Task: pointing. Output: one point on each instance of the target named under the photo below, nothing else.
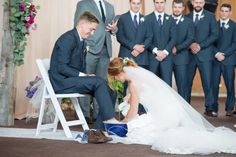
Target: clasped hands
(160, 55)
(220, 56)
(195, 48)
(138, 48)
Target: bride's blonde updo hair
(117, 64)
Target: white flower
(142, 19)
(87, 48)
(226, 26)
(202, 16)
(125, 60)
(182, 19)
(167, 17)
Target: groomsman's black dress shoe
(210, 113)
(234, 112)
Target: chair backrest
(43, 65)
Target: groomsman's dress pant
(228, 73)
(181, 78)
(205, 69)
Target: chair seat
(72, 95)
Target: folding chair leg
(62, 120)
(79, 113)
(56, 119)
(41, 113)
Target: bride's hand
(126, 98)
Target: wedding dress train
(171, 125)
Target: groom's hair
(89, 17)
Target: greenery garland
(22, 20)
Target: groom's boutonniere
(226, 26)
(142, 19)
(182, 19)
(167, 17)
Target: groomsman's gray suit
(164, 37)
(100, 44)
(67, 61)
(206, 33)
(184, 38)
(226, 44)
(129, 35)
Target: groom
(67, 68)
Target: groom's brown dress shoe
(97, 136)
(103, 136)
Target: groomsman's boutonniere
(182, 19)
(226, 26)
(87, 48)
(167, 17)
(202, 16)
(142, 19)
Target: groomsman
(133, 35)
(202, 48)
(163, 30)
(225, 58)
(184, 37)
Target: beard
(177, 15)
(198, 9)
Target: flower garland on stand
(22, 20)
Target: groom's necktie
(102, 11)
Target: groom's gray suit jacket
(96, 41)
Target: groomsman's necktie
(159, 20)
(222, 26)
(176, 21)
(135, 21)
(196, 19)
(102, 11)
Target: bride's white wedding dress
(171, 125)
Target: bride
(170, 125)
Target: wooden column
(7, 95)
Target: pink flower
(22, 7)
(31, 20)
(32, 7)
(27, 25)
(27, 18)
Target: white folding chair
(43, 65)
